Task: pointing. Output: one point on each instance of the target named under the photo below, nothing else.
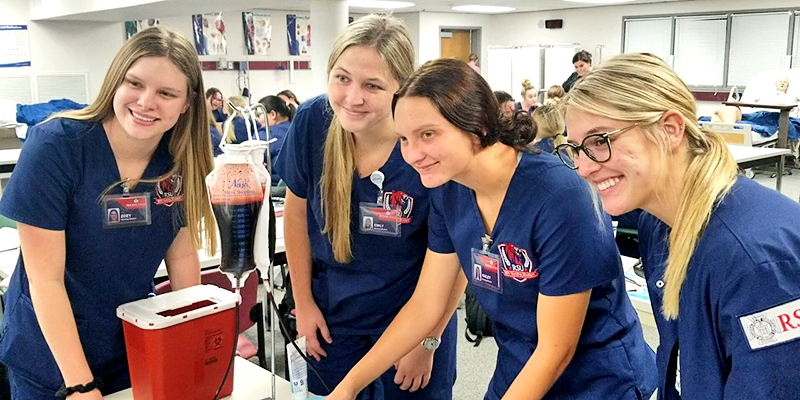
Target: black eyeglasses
(597, 147)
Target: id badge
(373, 219)
(121, 211)
(486, 270)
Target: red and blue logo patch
(516, 263)
(399, 200)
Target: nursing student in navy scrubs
(130, 151)
(356, 220)
(721, 253)
(279, 119)
(523, 228)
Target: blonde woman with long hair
(102, 195)
(356, 219)
(720, 251)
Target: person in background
(506, 103)
(549, 120)
(343, 166)
(147, 129)
(530, 97)
(473, 63)
(582, 61)
(279, 119)
(289, 98)
(216, 137)
(215, 104)
(554, 95)
(549, 275)
(721, 253)
(235, 127)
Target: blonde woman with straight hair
(102, 195)
(549, 120)
(356, 219)
(720, 252)
(235, 127)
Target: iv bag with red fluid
(236, 196)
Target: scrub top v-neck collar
(152, 165)
(476, 212)
(390, 165)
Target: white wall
(56, 46)
(429, 45)
(262, 82)
(603, 26)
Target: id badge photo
(120, 211)
(374, 219)
(485, 270)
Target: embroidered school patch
(770, 327)
(401, 200)
(516, 263)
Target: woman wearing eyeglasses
(523, 231)
(720, 252)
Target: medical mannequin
(781, 95)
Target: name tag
(126, 211)
(374, 219)
(773, 326)
(486, 270)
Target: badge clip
(377, 178)
(487, 241)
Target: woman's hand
(309, 321)
(414, 369)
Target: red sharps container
(180, 343)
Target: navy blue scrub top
(547, 227)
(277, 131)
(240, 130)
(216, 139)
(219, 115)
(739, 313)
(363, 296)
(518, 107)
(546, 145)
(64, 167)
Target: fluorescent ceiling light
(384, 5)
(483, 9)
(600, 1)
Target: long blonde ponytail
(640, 88)
(337, 186)
(708, 178)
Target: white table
(8, 159)
(638, 294)
(748, 157)
(250, 382)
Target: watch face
(431, 343)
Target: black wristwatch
(65, 391)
